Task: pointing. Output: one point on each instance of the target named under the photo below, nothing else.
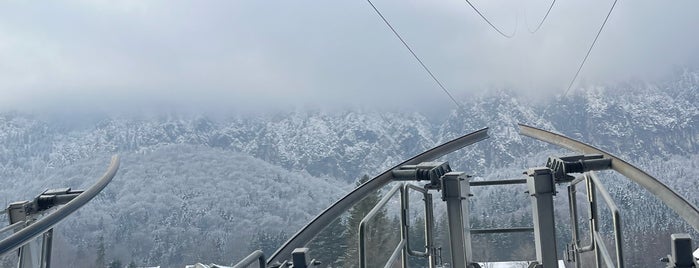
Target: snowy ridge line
(42, 225)
(316, 225)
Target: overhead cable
(491, 24)
(543, 114)
(542, 20)
(590, 49)
(414, 55)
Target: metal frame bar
(541, 187)
(315, 226)
(594, 216)
(616, 219)
(502, 230)
(601, 250)
(397, 252)
(429, 233)
(573, 206)
(256, 255)
(592, 186)
(498, 182)
(455, 191)
(46, 248)
(11, 226)
(406, 215)
(362, 225)
(42, 225)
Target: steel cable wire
(439, 83)
(542, 20)
(490, 23)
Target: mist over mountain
(193, 188)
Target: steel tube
(616, 217)
(575, 232)
(594, 225)
(256, 255)
(429, 233)
(11, 226)
(502, 230)
(27, 234)
(577, 180)
(46, 248)
(603, 252)
(498, 182)
(406, 217)
(369, 216)
(395, 254)
(603, 191)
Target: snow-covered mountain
(190, 185)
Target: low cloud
(221, 55)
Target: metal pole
(616, 217)
(429, 231)
(46, 249)
(368, 217)
(541, 189)
(594, 227)
(403, 229)
(250, 259)
(455, 189)
(573, 207)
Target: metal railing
(500, 230)
(256, 255)
(28, 225)
(593, 185)
(403, 249)
(11, 226)
(429, 220)
(369, 216)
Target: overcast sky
(257, 54)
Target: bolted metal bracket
(299, 259)
(681, 255)
(425, 171)
(562, 166)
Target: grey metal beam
(541, 189)
(676, 202)
(455, 190)
(315, 226)
(42, 225)
(498, 182)
(502, 230)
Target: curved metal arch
(315, 226)
(676, 202)
(42, 225)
